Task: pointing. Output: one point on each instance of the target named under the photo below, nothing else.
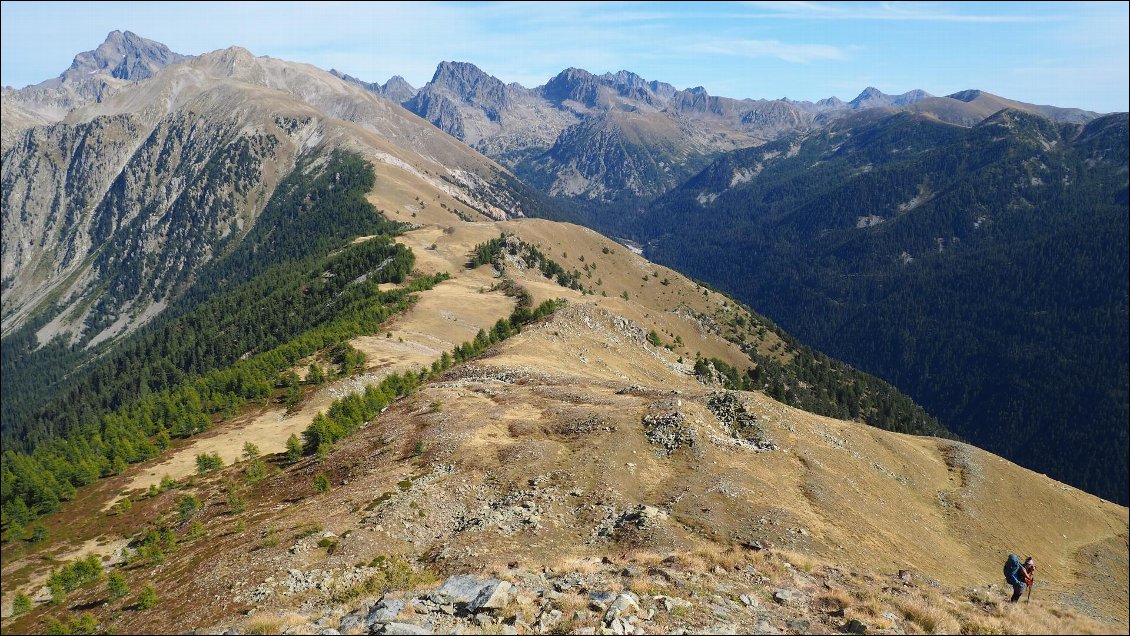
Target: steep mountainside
(198, 148)
(93, 77)
(110, 215)
(982, 270)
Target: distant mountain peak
(872, 97)
(966, 95)
(574, 84)
(457, 71)
(398, 89)
(125, 55)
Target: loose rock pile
(668, 431)
(738, 422)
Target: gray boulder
(385, 611)
(473, 593)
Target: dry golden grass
(645, 586)
(264, 626)
(835, 600)
(797, 560)
(570, 602)
(927, 615)
(644, 557)
(867, 603)
(1032, 618)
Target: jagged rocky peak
(627, 79)
(575, 84)
(466, 79)
(628, 84)
(125, 55)
(869, 98)
(398, 89)
(662, 89)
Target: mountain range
(617, 137)
(284, 350)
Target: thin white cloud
(892, 11)
(794, 53)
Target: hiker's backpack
(1011, 566)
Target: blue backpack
(1011, 566)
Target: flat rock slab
(403, 629)
(474, 593)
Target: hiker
(1019, 575)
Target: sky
(1062, 54)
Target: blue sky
(1046, 53)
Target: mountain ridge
(371, 373)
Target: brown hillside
(578, 440)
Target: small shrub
(322, 483)
(148, 598)
(21, 604)
(395, 574)
(236, 503)
(74, 575)
(255, 471)
(85, 624)
(293, 448)
(270, 539)
(206, 462)
(116, 586)
(195, 531)
(187, 506)
(250, 451)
